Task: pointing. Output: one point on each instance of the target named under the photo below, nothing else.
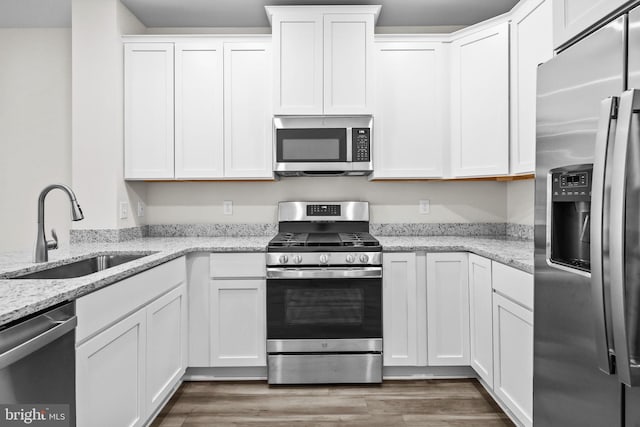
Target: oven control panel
(324, 210)
(361, 142)
(321, 259)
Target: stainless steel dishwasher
(37, 362)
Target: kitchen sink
(83, 267)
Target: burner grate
(357, 239)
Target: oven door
(324, 304)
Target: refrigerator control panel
(574, 186)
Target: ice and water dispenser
(569, 240)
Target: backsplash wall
(520, 202)
(390, 202)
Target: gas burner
(287, 239)
(358, 239)
(305, 240)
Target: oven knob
(324, 258)
(297, 259)
(364, 258)
(283, 259)
(351, 258)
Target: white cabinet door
(110, 375)
(513, 357)
(348, 63)
(238, 322)
(247, 110)
(481, 317)
(148, 111)
(298, 84)
(401, 306)
(571, 17)
(411, 92)
(448, 309)
(480, 103)
(166, 345)
(531, 45)
(199, 105)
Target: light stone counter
(20, 298)
(514, 253)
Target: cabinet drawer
(514, 284)
(238, 265)
(98, 310)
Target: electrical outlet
(140, 208)
(424, 207)
(227, 207)
(124, 210)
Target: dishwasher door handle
(34, 343)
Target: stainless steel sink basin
(83, 267)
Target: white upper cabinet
(148, 107)
(247, 110)
(348, 64)
(480, 103)
(222, 109)
(199, 110)
(323, 59)
(410, 116)
(531, 45)
(298, 62)
(571, 17)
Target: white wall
(35, 132)
(97, 62)
(520, 201)
(255, 202)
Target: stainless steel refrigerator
(587, 231)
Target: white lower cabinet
(238, 323)
(238, 319)
(110, 375)
(166, 344)
(447, 309)
(404, 308)
(127, 366)
(513, 357)
(481, 317)
(513, 340)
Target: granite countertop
(514, 253)
(20, 298)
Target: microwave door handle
(608, 108)
(626, 365)
(349, 144)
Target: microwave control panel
(361, 143)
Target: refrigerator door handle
(626, 365)
(604, 345)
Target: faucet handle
(53, 244)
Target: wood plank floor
(437, 403)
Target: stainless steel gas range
(324, 295)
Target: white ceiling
(250, 13)
(35, 13)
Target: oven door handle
(324, 273)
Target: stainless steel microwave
(323, 145)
